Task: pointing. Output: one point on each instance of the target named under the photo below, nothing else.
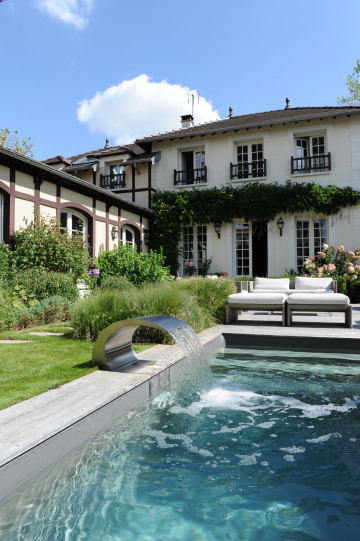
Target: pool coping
(36, 433)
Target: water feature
(270, 451)
(113, 348)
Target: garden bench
(248, 301)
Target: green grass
(41, 363)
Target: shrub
(47, 311)
(138, 268)
(115, 282)
(6, 272)
(9, 313)
(95, 313)
(42, 284)
(210, 294)
(43, 244)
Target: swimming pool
(270, 452)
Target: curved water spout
(113, 348)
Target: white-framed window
(242, 249)
(310, 237)
(195, 246)
(1, 218)
(250, 162)
(74, 223)
(128, 236)
(310, 155)
(192, 168)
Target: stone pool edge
(34, 434)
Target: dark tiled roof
(292, 114)
(132, 149)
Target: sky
(74, 72)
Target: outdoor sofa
(304, 294)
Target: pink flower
(321, 255)
(357, 269)
(341, 248)
(331, 267)
(319, 274)
(352, 278)
(311, 266)
(321, 269)
(350, 254)
(350, 269)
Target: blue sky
(76, 71)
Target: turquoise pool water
(270, 452)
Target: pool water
(269, 452)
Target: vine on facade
(252, 202)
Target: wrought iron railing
(243, 170)
(112, 182)
(312, 164)
(190, 176)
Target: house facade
(103, 217)
(320, 145)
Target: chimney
(187, 121)
(287, 103)
(106, 143)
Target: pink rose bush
(331, 262)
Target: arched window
(128, 236)
(74, 223)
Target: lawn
(41, 363)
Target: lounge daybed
(248, 301)
(303, 302)
(304, 294)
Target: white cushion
(246, 299)
(307, 282)
(311, 291)
(319, 299)
(271, 284)
(277, 290)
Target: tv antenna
(191, 96)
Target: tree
(353, 84)
(13, 142)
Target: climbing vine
(252, 202)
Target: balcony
(248, 170)
(112, 182)
(312, 164)
(190, 176)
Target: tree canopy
(353, 84)
(12, 141)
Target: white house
(302, 144)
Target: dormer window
(115, 180)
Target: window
(128, 237)
(242, 249)
(193, 168)
(195, 245)
(310, 237)
(310, 155)
(116, 179)
(250, 162)
(74, 223)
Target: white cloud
(140, 107)
(75, 12)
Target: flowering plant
(93, 277)
(331, 262)
(189, 268)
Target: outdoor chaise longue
(305, 294)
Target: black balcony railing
(243, 170)
(312, 164)
(190, 176)
(112, 182)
